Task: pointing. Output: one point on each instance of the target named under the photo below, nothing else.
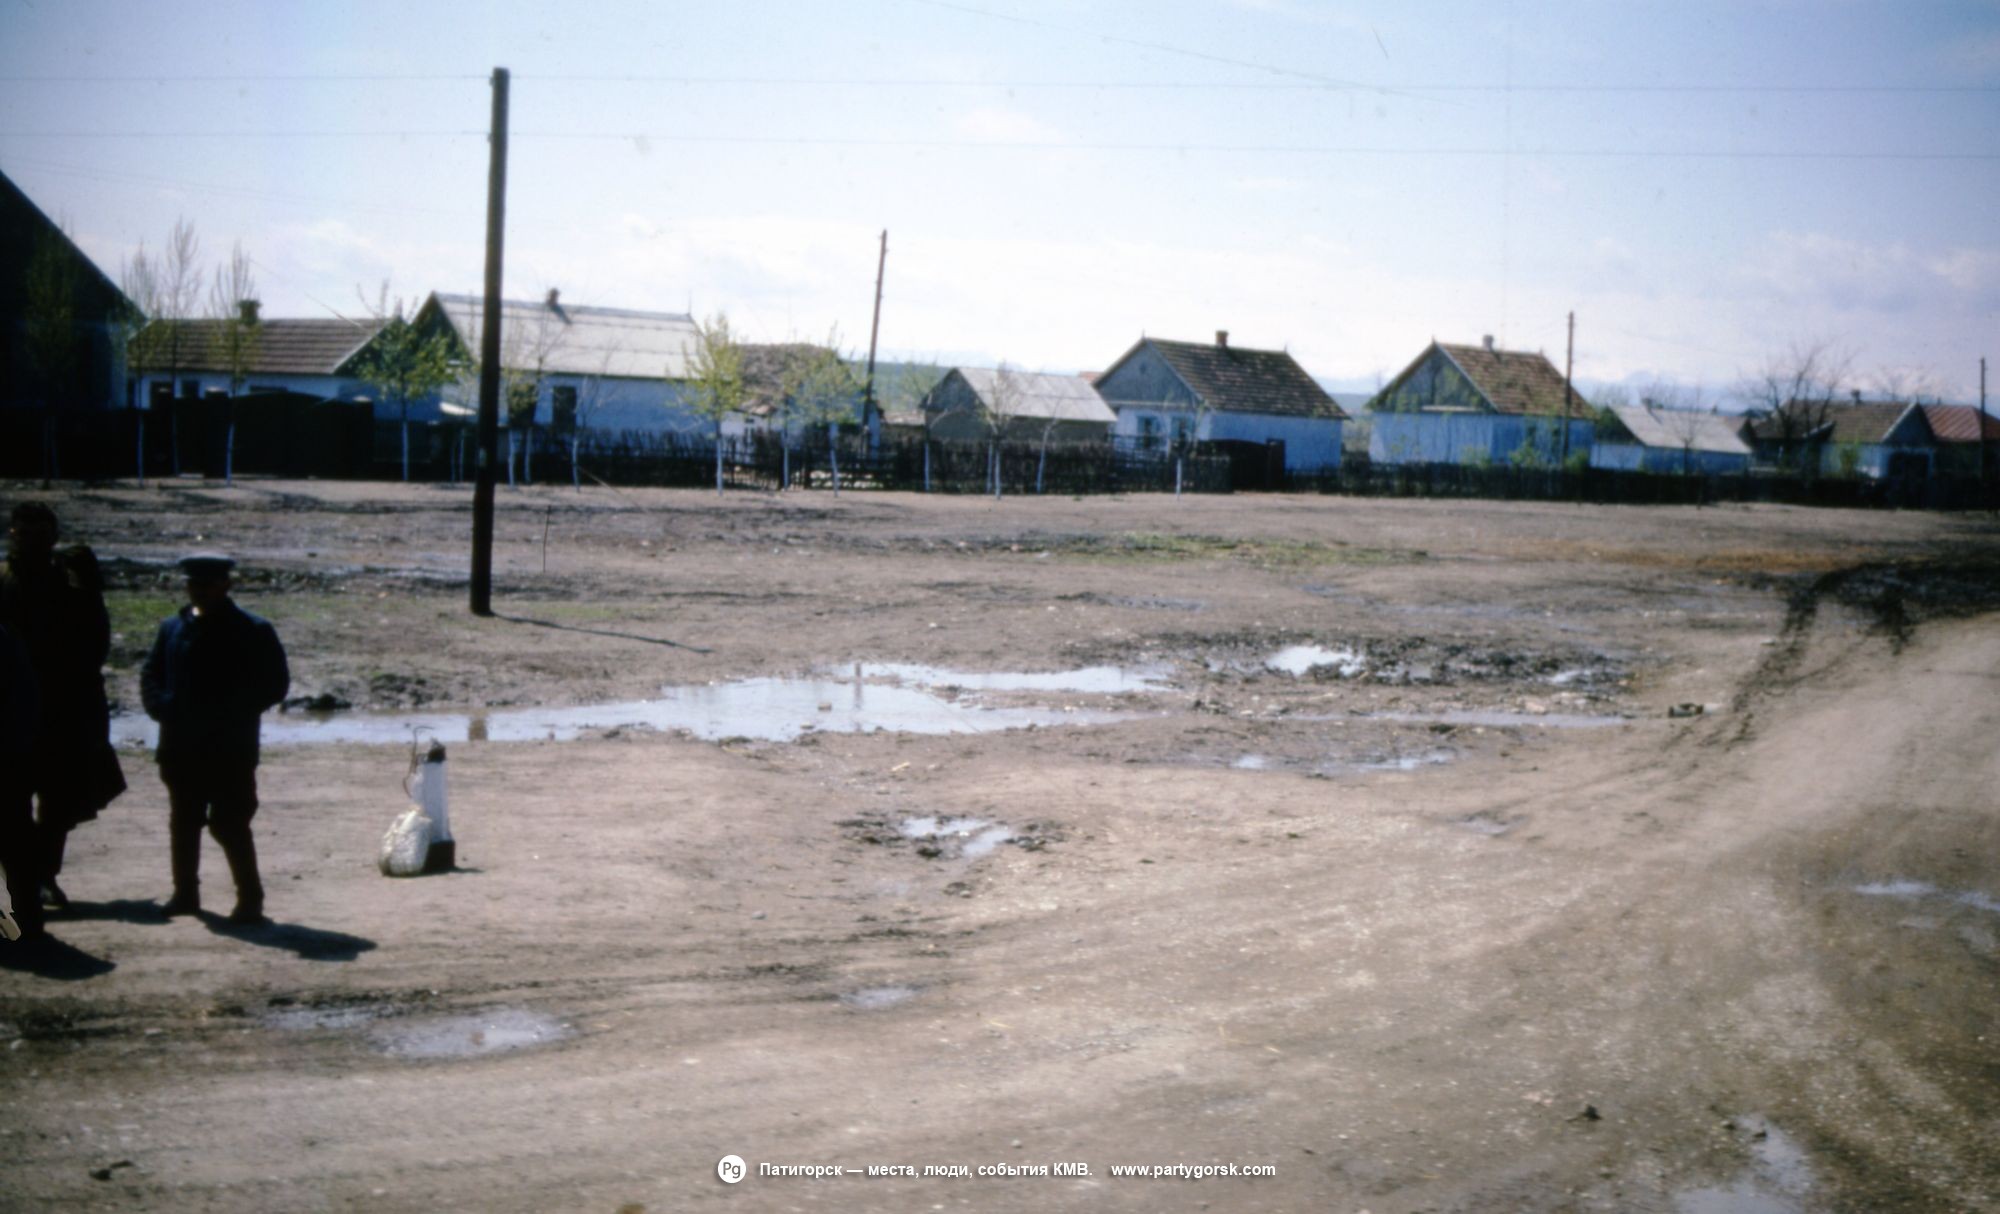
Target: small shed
(971, 403)
(1869, 438)
(1691, 442)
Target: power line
(1558, 153)
(1308, 85)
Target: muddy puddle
(1913, 891)
(469, 1036)
(1494, 719)
(391, 1029)
(969, 838)
(1779, 1180)
(869, 698)
(877, 998)
(1330, 768)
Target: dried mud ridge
(1891, 598)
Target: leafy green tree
(405, 363)
(172, 287)
(821, 391)
(715, 387)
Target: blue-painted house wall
(1637, 457)
(1471, 438)
(1144, 388)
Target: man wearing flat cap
(213, 671)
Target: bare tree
(232, 302)
(715, 379)
(1793, 396)
(1682, 412)
(1907, 385)
(589, 394)
(173, 281)
(139, 279)
(998, 407)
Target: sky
(1707, 186)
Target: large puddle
(865, 698)
(970, 838)
(469, 1036)
(1779, 1181)
(1914, 890)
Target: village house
(605, 369)
(771, 373)
(1478, 405)
(1649, 438)
(1870, 438)
(59, 315)
(1965, 435)
(314, 357)
(1167, 393)
(973, 403)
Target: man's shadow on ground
(310, 943)
(49, 957)
(123, 910)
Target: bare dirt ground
(1399, 927)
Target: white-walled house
(1167, 391)
(611, 369)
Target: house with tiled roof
(1168, 392)
(1457, 404)
(1964, 434)
(1872, 438)
(969, 403)
(313, 357)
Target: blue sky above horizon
(1705, 184)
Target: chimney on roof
(246, 310)
(554, 296)
(1488, 339)
(1222, 338)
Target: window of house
(1149, 431)
(563, 407)
(191, 388)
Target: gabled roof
(1514, 381)
(1867, 421)
(1683, 429)
(22, 227)
(1038, 395)
(311, 346)
(1961, 423)
(567, 339)
(1232, 379)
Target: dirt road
(1377, 862)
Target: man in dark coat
(20, 856)
(54, 605)
(213, 671)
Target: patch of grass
(138, 616)
(1149, 547)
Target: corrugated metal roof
(1683, 429)
(313, 346)
(1515, 381)
(569, 339)
(1961, 423)
(1036, 394)
(1232, 379)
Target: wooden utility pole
(1981, 445)
(874, 328)
(489, 356)
(1569, 365)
